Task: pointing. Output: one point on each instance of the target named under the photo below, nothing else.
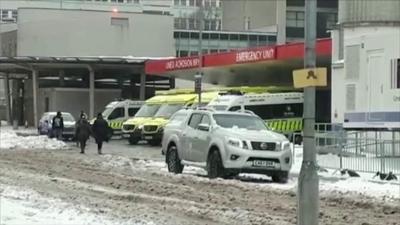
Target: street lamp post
(308, 196)
(198, 76)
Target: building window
(352, 61)
(207, 24)
(214, 36)
(183, 2)
(180, 23)
(192, 24)
(247, 23)
(192, 3)
(262, 40)
(194, 35)
(199, 2)
(8, 15)
(183, 53)
(331, 20)
(395, 73)
(214, 25)
(234, 37)
(176, 2)
(214, 3)
(294, 19)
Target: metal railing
(364, 151)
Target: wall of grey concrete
(62, 99)
(8, 47)
(8, 43)
(261, 14)
(54, 32)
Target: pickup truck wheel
(214, 165)
(280, 177)
(173, 161)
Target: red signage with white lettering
(165, 65)
(182, 63)
(251, 55)
(241, 56)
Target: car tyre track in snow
(128, 189)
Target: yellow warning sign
(310, 77)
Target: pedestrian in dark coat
(58, 125)
(83, 131)
(82, 116)
(100, 131)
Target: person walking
(82, 132)
(82, 117)
(100, 130)
(58, 125)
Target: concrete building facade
(285, 17)
(366, 65)
(55, 32)
(112, 43)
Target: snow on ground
(10, 140)
(330, 182)
(26, 207)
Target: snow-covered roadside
(21, 207)
(330, 182)
(10, 140)
(333, 181)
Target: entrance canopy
(82, 72)
(270, 65)
(106, 67)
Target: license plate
(262, 163)
(125, 135)
(148, 137)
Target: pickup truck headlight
(237, 143)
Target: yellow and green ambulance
(283, 112)
(153, 129)
(132, 128)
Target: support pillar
(132, 88)
(171, 83)
(8, 99)
(35, 87)
(142, 94)
(91, 92)
(61, 75)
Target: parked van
(117, 112)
